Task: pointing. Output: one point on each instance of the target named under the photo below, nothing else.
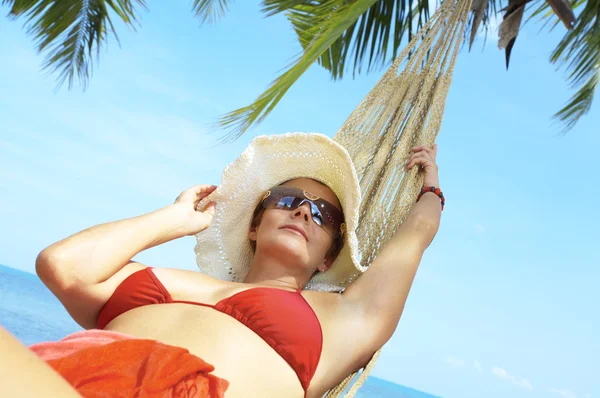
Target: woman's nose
(303, 211)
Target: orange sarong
(102, 363)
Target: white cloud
(525, 384)
(563, 393)
(477, 366)
(500, 372)
(517, 381)
(454, 362)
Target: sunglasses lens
(317, 216)
(286, 203)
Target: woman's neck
(272, 272)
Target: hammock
(403, 110)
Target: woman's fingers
(202, 219)
(432, 151)
(420, 158)
(420, 148)
(423, 155)
(210, 208)
(422, 161)
(203, 189)
(196, 193)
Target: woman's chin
(289, 248)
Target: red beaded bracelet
(436, 191)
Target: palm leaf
(561, 9)
(579, 51)
(71, 31)
(210, 10)
(272, 7)
(369, 40)
(335, 17)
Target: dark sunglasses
(323, 213)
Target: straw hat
(223, 250)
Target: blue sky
(505, 302)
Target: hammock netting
(403, 110)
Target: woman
(263, 312)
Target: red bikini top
(283, 319)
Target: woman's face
(293, 235)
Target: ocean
(30, 312)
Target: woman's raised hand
(424, 156)
(194, 221)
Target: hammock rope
(404, 109)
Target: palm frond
(510, 26)
(564, 12)
(272, 7)
(579, 104)
(479, 9)
(378, 32)
(336, 16)
(579, 52)
(210, 10)
(546, 12)
(70, 31)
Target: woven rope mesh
(404, 109)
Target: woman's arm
(380, 294)
(79, 269)
(23, 374)
(97, 253)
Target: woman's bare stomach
(246, 361)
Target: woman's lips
(296, 229)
